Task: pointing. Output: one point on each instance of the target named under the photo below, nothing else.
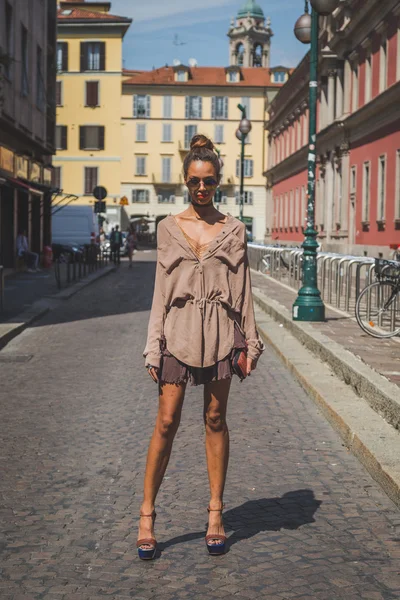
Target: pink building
(358, 142)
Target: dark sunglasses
(208, 182)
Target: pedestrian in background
(116, 243)
(201, 330)
(31, 258)
(131, 244)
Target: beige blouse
(198, 297)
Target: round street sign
(100, 192)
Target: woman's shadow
(291, 511)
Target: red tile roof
(86, 14)
(208, 76)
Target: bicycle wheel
(378, 310)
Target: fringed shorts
(174, 371)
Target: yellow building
(88, 133)
(161, 111)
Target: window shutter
(64, 56)
(101, 137)
(82, 137)
(64, 134)
(147, 196)
(187, 100)
(213, 100)
(148, 106)
(134, 195)
(84, 49)
(250, 197)
(225, 107)
(237, 168)
(92, 93)
(58, 93)
(186, 137)
(200, 107)
(135, 106)
(250, 168)
(102, 48)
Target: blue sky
(202, 31)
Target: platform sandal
(218, 547)
(147, 553)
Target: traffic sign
(100, 192)
(124, 201)
(100, 207)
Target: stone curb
(374, 442)
(382, 395)
(16, 325)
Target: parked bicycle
(378, 305)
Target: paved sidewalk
(381, 355)
(23, 289)
(305, 520)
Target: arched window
(240, 54)
(257, 55)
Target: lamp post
(241, 133)
(309, 305)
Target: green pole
(242, 177)
(309, 305)
(242, 141)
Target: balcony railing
(165, 179)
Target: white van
(74, 225)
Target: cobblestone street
(305, 520)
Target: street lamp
(309, 305)
(241, 133)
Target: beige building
(164, 108)
(27, 122)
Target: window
(141, 196)
(40, 89)
(219, 134)
(92, 94)
(24, 62)
(366, 192)
(246, 102)
(383, 65)
(368, 78)
(61, 137)
(381, 188)
(167, 132)
(91, 179)
(353, 180)
(190, 131)
(9, 40)
(286, 221)
(141, 106)
(233, 76)
(91, 137)
(56, 178)
(279, 77)
(220, 198)
(166, 169)
(59, 98)
(219, 107)
(181, 76)
(247, 197)
(354, 99)
(167, 107)
(247, 167)
(165, 197)
(62, 56)
(291, 208)
(140, 165)
(141, 132)
(93, 56)
(297, 220)
(193, 107)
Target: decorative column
(331, 96)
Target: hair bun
(201, 141)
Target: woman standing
(201, 330)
